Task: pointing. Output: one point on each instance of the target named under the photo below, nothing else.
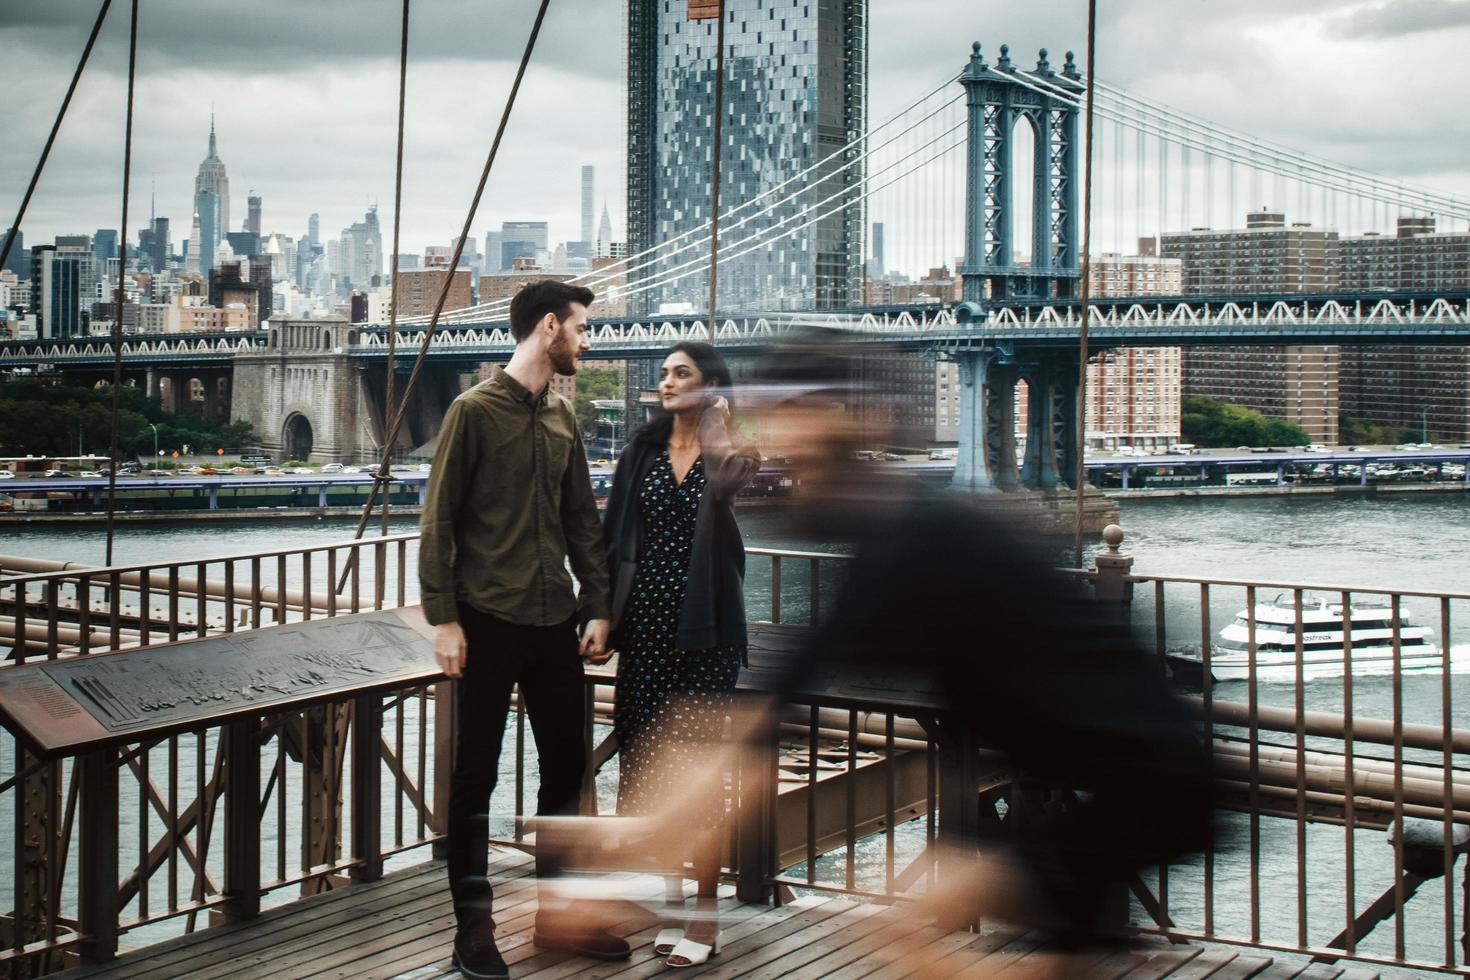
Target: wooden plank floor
(401, 928)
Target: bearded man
(509, 501)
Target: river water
(1418, 542)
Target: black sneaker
(475, 954)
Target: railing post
(242, 821)
(97, 856)
(1112, 568)
(755, 845)
(367, 788)
(444, 727)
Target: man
(942, 595)
(509, 501)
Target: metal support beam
(97, 868)
(242, 821)
(367, 788)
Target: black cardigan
(713, 613)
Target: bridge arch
(1024, 142)
(296, 436)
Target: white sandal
(694, 953)
(666, 940)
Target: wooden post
(367, 788)
(242, 821)
(97, 856)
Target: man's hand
(594, 642)
(449, 647)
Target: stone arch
(352, 338)
(195, 392)
(326, 340)
(296, 436)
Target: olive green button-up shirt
(509, 501)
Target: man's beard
(563, 356)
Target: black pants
(544, 661)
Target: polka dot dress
(671, 703)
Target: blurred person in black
(1112, 774)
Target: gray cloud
(1400, 18)
(305, 94)
(264, 36)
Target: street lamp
(155, 445)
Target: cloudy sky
(305, 96)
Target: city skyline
(332, 154)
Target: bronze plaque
(58, 706)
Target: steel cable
(55, 128)
(119, 301)
(397, 227)
(401, 410)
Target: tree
(595, 384)
(1211, 423)
(53, 421)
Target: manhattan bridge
(986, 164)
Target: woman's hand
(720, 407)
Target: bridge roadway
(415, 480)
(1366, 318)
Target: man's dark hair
(536, 299)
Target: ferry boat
(1371, 633)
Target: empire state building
(211, 204)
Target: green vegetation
(595, 383)
(1361, 432)
(1211, 424)
(47, 421)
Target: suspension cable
(1086, 297)
(55, 128)
(393, 285)
(695, 234)
(401, 410)
(115, 455)
(716, 151)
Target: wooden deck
(402, 927)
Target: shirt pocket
(559, 439)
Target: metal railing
(211, 821)
(842, 797)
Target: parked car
(57, 474)
(89, 475)
(240, 470)
(352, 469)
(332, 468)
(7, 474)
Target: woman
(678, 567)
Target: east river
(1418, 542)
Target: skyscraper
(314, 229)
(604, 235)
(493, 240)
(252, 213)
(212, 203)
(361, 252)
(795, 90)
(588, 183)
(104, 244)
(19, 261)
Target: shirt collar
(516, 388)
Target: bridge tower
(1004, 108)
